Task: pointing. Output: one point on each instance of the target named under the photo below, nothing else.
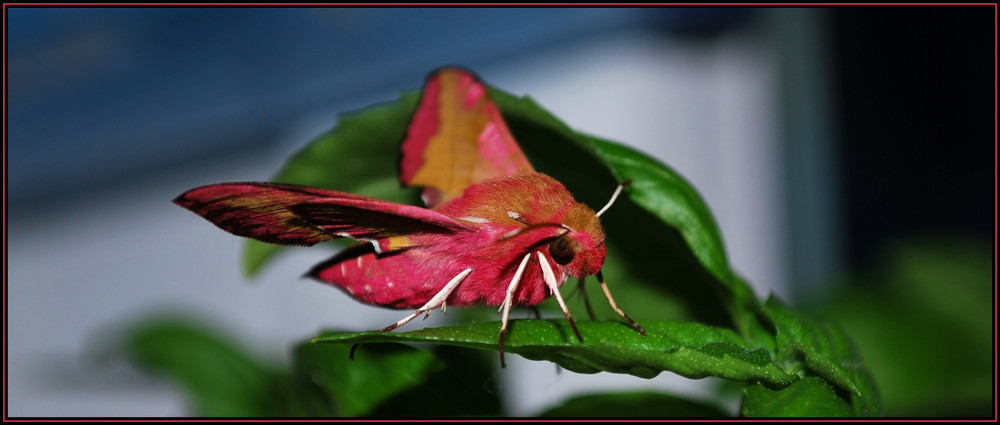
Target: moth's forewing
(288, 214)
(457, 138)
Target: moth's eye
(562, 251)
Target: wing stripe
(457, 138)
(297, 215)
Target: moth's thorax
(527, 202)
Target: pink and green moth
(494, 232)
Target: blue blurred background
(816, 136)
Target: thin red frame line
(502, 4)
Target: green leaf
(809, 346)
(256, 254)
(396, 380)
(219, 378)
(924, 323)
(632, 405)
(752, 322)
(663, 192)
(809, 397)
(689, 349)
(655, 187)
(657, 255)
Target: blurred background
(845, 153)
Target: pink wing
(288, 214)
(457, 138)
(409, 278)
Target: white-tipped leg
(508, 301)
(550, 280)
(436, 301)
(614, 306)
(512, 286)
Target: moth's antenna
(614, 196)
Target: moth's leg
(607, 292)
(550, 280)
(508, 301)
(436, 301)
(586, 300)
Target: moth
(494, 230)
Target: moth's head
(581, 249)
